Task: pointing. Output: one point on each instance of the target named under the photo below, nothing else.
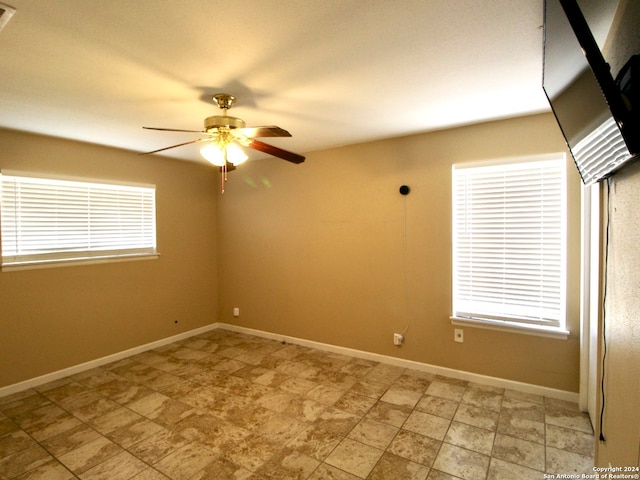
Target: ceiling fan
(225, 135)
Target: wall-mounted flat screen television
(598, 126)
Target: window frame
(116, 246)
(510, 322)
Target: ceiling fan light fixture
(235, 154)
(214, 153)
(219, 155)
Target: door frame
(589, 298)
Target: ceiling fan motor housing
(218, 121)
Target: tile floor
(225, 405)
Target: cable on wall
(604, 309)
(404, 191)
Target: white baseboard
(65, 372)
(400, 362)
(424, 367)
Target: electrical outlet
(458, 335)
(236, 311)
(398, 339)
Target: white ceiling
(332, 72)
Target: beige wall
(621, 421)
(315, 251)
(55, 318)
(311, 251)
(621, 425)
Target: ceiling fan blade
(174, 130)
(276, 152)
(266, 131)
(174, 146)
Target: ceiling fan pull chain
(223, 172)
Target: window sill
(77, 261)
(502, 326)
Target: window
(50, 220)
(509, 245)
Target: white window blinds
(509, 243)
(46, 220)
